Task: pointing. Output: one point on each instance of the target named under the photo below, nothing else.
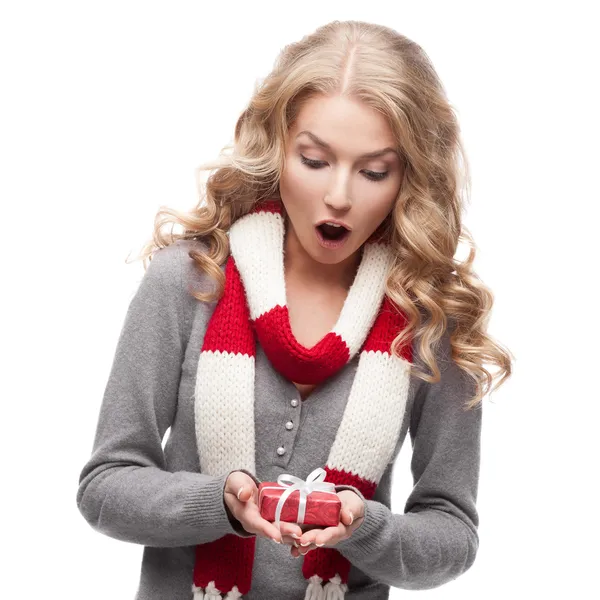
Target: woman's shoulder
(174, 260)
(192, 277)
(173, 271)
(173, 277)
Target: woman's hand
(240, 495)
(352, 515)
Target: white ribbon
(314, 482)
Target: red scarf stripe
(228, 329)
(237, 570)
(328, 562)
(388, 324)
(343, 477)
(300, 364)
(271, 205)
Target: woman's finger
(257, 524)
(288, 531)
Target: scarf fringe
(210, 592)
(334, 589)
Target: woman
(290, 327)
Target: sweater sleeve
(125, 490)
(435, 540)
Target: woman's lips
(332, 244)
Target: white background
(108, 108)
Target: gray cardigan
(132, 490)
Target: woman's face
(337, 181)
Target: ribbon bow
(314, 482)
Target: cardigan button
(294, 402)
(281, 450)
(289, 425)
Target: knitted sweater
(132, 490)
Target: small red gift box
(322, 508)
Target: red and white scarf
(254, 302)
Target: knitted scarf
(254, 306)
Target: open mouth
(332, 233)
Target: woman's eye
(376, 175)
(313, 164)
(318, 164)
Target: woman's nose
(338, 201)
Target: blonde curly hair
(394, 75)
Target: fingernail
(297, 537)
(351, 517)
(276, 541)
(239, 492)
(319, 545)
(305, 544)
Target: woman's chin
(325, 256)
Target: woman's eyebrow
(325, 145)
